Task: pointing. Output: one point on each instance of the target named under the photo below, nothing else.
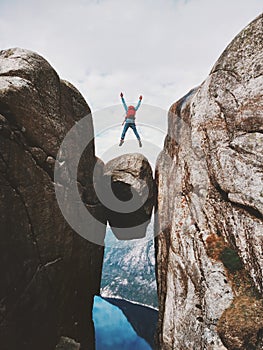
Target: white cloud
(159, 48)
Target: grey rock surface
(66, 343)
(130, 193)
(49, 274)
(210, 197)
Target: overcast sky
(158, 48)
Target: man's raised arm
(123, 102)
(139, 103)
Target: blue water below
(112, 329)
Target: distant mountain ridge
(129, 272)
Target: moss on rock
(230, 259)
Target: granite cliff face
(49, 274)
(210, 207)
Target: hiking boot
(140, 143)
(121, 142)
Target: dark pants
(126, 127)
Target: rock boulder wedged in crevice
(129, 195)
(49, 274)
(209, 227)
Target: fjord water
(128, 275)
(112, 329)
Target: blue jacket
(129, 120)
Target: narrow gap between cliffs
(128, 293)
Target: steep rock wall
(210, 207)
(49, 274)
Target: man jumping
(129, 121)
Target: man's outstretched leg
(126, 127)
(133, 126)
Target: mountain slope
(129, 270)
